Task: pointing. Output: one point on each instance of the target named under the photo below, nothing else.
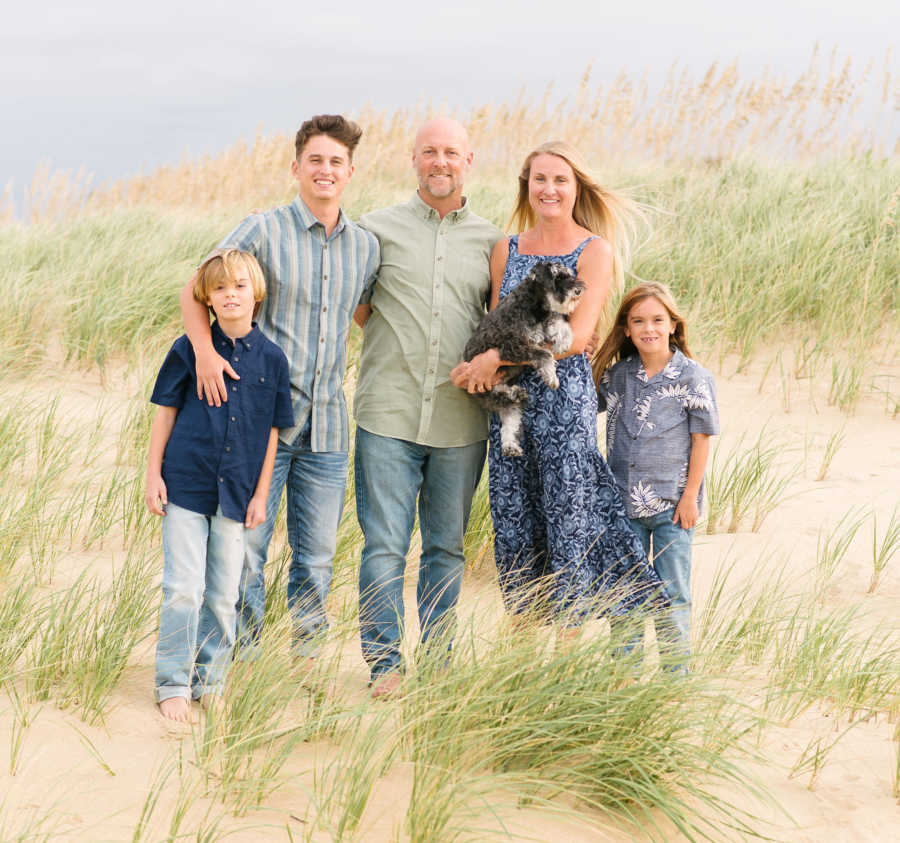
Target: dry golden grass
(830, 108)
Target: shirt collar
(308, 219)
(422, 209)
(670, 371)
(247, 341)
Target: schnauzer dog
(528, 326)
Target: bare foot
(521, 622)
(568, 633)
(304, 669)
(304, 664)
(177, 709)
(386, 686)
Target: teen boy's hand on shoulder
(211, 371)
(211, 366)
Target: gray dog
(528, 327)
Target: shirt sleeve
(703, 414)
(175, 377)
(371, 269)
(603, 392)
(246, 236)
(284, 411)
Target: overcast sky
(117, 86)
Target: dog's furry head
(560, 285)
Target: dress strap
(580, 247)
(514, 244)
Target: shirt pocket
(667, 422)
(260, 395)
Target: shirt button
(234, 388)
(235, 359)
(318, 371)
(434, 342)
(322, 339)
(437, 313)
(324, 309)
(221, 479)
(325, 277)
(427, 397)
(233, 419)
(440, 257)
(262, 380)
(228, 448)
(431, 371)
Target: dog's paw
(511, 449)
(552, 381)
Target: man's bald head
(445, 128)
(442, 158)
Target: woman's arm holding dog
(594, 268)
(480, 373)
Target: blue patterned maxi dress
(557, 512)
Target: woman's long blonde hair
(601, 211)
(617, 346)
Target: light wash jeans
(671, 556)
(390, 475)
(315, 483)
(203, 557)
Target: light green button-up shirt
(430, 293)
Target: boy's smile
(233, 301)
(323, 169)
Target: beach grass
(785, 262)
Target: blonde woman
(558, 517)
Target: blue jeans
(671, 556)
(316, 483)
(390, 475)
(203, 557)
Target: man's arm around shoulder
(195, 315)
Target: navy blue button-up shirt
(215, 454)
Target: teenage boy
(317, 264)
(208, 473)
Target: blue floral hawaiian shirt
(649, 422)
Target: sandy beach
(70, 779)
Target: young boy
(208, 473)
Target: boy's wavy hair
(617, 346)
(336, 126)
(226, 263)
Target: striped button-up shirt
(313, 285)
(430, 295)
